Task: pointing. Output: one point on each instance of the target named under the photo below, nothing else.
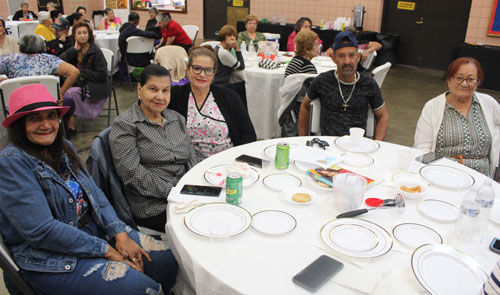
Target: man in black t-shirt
(345, 94)
(62, 42)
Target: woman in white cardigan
(462, 124)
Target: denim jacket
(38, 218)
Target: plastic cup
(356, 135)
(405, 158)
(348, 191)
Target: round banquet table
(263, 97)
(109, 41)
(255, 263)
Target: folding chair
(380, 72)
(172, 58)
(26, 28)
(367, 64)
(109, 56)
(191, 31)
(12, 271)
(210, 43)
(9, 85)
(138, 45)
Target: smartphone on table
(495, 245)
(252, 161)
(431, 157)
(201, 190)
(317, 273)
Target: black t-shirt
(56, 47)
(334, 120)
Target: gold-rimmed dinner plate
(281, 181)
(218, 220)
(441, 270)
(366, 145)
(344, 242)
(273, 222)
(447, 177)
(438, 210)
(413, 235)
(217, 176)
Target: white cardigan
(432, 116)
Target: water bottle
(485, 198)
(466, 226)
(243, 47)
(274, 19)
(251, 48)
(283, 21)
(30, 16)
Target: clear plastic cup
(356, 135)
(405, 158)
(348, 191)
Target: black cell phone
(317, 273)
(495, 245)
(253, 161)
(201, 190)
(431, 157)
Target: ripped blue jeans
(101, 276)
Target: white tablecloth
(263, 98)
(109, 41)
(253, 263)
(11, 27)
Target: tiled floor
(405, 90)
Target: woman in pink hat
(72, 241)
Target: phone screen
(430, 157)
(495, 245)
(318, 272)
(201, 190)
(257, 162)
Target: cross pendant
(345, 106)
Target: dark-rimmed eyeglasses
(198, 69)
(460, 79)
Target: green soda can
(234, 188)
(282, 156)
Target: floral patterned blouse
(468, 136)
(207, 127)
(23, 65)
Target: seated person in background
(33, 61)
(55, 14)
(51, 6)
(251, 34)
(462, 124)
(24, 13)
(7, 43)
(172, 32)
(83, 11)
(368, 47)
(304, 23)
(92, 88)
(151, 24)
(109, 19)
(216, 118)
(74, 18)
(150, 148)
(62, 42)
(130, 29)
(57, 224)
(344, 94)
(229, 56)
(44, 29)
(306, 47)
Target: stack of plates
(218, 220)
(441, 269)
(356, 238)
(366, 146)
(446, 177)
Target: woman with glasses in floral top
(462, 124)
(216, 118)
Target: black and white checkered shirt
(150, 158)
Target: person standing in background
(172, 32)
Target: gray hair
(165, 16)
(153, 9)
(31, 44)
(23, 3)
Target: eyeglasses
(198, 69)
(460, 79)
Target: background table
(327, 36)
(263, 97)
(109, 41)
(11, 28)
(253, 263)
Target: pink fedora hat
(28, 99)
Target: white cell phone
(317, 273)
